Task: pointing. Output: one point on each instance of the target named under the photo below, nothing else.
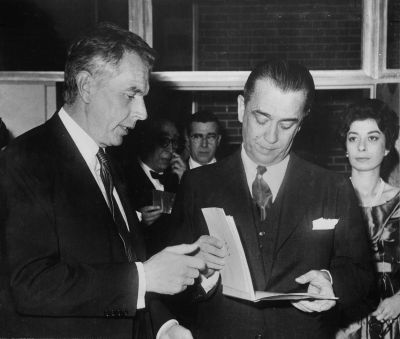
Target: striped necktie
(106, 177)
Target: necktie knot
(261, 170)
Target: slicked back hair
(105, 44)
(287, 76)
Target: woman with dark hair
(369, 130)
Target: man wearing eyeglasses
(157, 168)
(203, 138)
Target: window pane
(237, 34)
(35, 34)
(393, 34)
(172, 34)
(318, 139)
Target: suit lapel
(291, 201)
(131, 216)
(239, 204)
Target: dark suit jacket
(69, 274)
(288, 249)
(140, 190)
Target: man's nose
(169, 148)
(204, 141)
(138, 109)
(271, 134)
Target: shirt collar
(146, 168)
(274, 175)
(194, 164)
(86, 145)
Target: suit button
(261, 234)
(258, 336)
(260, 245)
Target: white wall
(26, 105)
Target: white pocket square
(324, 224)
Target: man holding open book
(299, 225)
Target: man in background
(203, 138)
(157, 169)
(77, 261)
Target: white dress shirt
(88, 149)
(156, 183)
(273, 176)
(194, 164)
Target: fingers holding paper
(173, 269)
(213, 251)
(320, 284)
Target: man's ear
(84, 82)
(218, 139)
(186, 139)
(240, 101)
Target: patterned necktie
(105, 174)
(261, 192)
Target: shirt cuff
(209, 283)
(142, 286)
(166, 327)
(330, 276)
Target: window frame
(372, 72)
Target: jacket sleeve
(352, 265)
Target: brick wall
(318, 139)
(393, 34)
(237, 34)
(324, 34)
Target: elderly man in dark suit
(299, 224)
(74, 248)
(158, 167)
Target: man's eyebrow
(257, 111)
(267, 115)
(135, 90)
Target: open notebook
(236, 279)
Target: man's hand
(178, 166)
(319, 283)
(212, 251)
(150, 214)
(177, 332)
(388, 309)
(171, 271)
